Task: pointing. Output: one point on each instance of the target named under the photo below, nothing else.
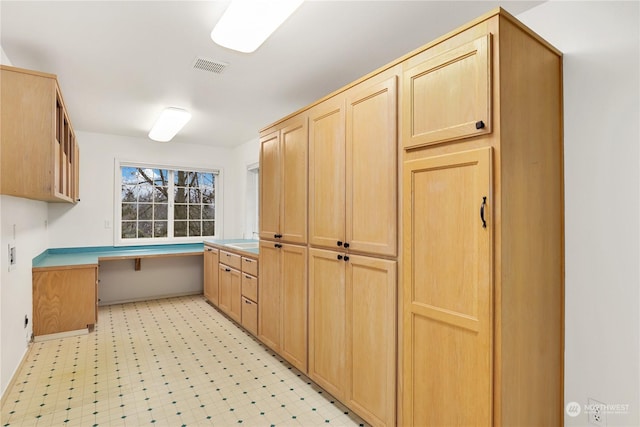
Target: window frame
(117, 205)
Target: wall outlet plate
(596, 413)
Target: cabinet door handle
(339, 243)
(277, 236)
(340, 257)
(247, 302)
(227, 269)
(346, 258)
(277, 245)
(247, 276)
(484, 203)
(346, 245)
(479, 124)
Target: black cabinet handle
(346, 245)
(339, 243)
(346, 258)
(339, 257)
(247, 302)
(484, 203)
(277, 245)
(480, 124)
(227, 269)
(277, 236)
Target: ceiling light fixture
(246, 24)
(169, 123)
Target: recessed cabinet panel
(460, 81)
(269, 185)
(371, 164)
(327, 173)
(293, 153)
(448, 289)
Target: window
(165, 203)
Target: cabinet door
(293, 159)
(64, 300)
(371, 168)
(269, 315)
(211, 275)
(235, 311)
(269, 185)
(447, 309)
(326, 173)
(448, 96)
(224, 299)
(371, 338)
(294, 305)
(327, 321)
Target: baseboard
(14, 377)
(59, 335)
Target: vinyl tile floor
(169, 362)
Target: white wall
(243, 156)
(600, 42)
(27, 217)
(84, 223)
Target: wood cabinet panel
(460, 79)
(211, 287)
(232, 260)
(270, 181)
(327, 321)
(371, 338)
(250, 315)
(250, 287)
(64, 299)
(269, 315)
(327, 173)
(250, 266)
(448, 289)
(39, 152)
(371, 166)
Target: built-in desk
(65, 281)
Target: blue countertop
(59, 257)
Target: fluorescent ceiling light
(246, 24)
(169, 123)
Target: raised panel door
(371, 338)
(327, 321)
(448, 318)
(293, 195)
(224, 300)
(211, 259)
(294, 305)
(327, 173)
(448, 96)
(269, 290)
(235, 311)
(270, 181)
(371, 168)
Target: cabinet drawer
(232, 260)
(250, 316)
(250, 266)
(250, 287)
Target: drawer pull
(248, 277)
(227, 269)
(247, 302)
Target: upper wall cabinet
(283, 181)
(353, 168)
(460, 79)
(40, 155)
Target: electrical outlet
(596, 413)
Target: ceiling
(119, 63)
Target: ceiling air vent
(209, 65)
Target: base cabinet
(352, 335)
(283, 301)
(64, 299)
(230, 292)
(211, 288)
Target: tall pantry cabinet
(482, 309)
(435, 234)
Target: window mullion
(171, 202)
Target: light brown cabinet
(230, 297)
(353, 168)
(482, 310)
(211, 276)
(282, 316)
(283, 181)
(39, 151)
(352, 332)
(64, 299)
